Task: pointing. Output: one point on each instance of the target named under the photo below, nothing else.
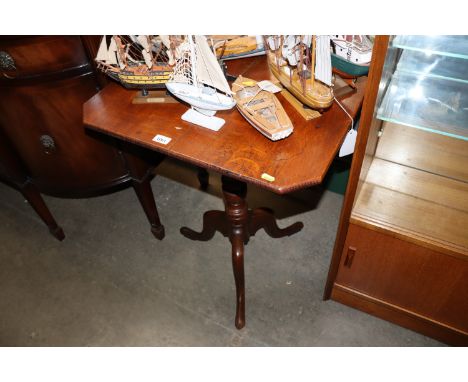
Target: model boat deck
(261, 109)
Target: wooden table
(238, 152)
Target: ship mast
(300, 66)
(120, 52)
(312, 69)
(278, 52)
(193, 59)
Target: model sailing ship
(351, 54)
(141, 62)
(197, 79)
(303, 66)
(228, 47)
(261, 109)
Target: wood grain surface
(408, 276)
(421, 207)
(367, 129)
(427, 151)
(237, 150)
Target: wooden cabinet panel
(42, 55)
(45, 123)
(414, 278)
(41, 112)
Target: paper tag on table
(348, 145)
(268, 86)
(162, 139)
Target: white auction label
(268, 86)
(162, 139)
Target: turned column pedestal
(238, 223)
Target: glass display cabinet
(401, 251)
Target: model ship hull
(351, 54)
(348, 67)
(153, 79)
(261, 109)
(196, 97)
(246, 46)
(314, 94)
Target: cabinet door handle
(48, 144)
(6, 62)
(349, 257)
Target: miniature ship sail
(323, 68)
(143, 40)
(307, 40)
(102, 51)
(297, 64)
(145, 52)
(208, 70)
(111, 53)
(136, 61)
(167, 43)
(165, 40)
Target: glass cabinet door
(416, 180)
(429, 85)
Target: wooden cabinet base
(405, 283)
(399, 316)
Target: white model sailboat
(198, 80)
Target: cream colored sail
(323, 67)
(111, 53)
(102, 51)
(208, 70)
(165, 40)
(167, 43)
(307, 40)
(147, 57)
(143, 40)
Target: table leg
(146, 198)
(237, 215)
(264, 218)
(37, 203)
(203, 178)
(238, 223)
(212, 221)
(140, 173)
(237, 243)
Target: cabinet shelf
(443, 67)
(438, 154)
(452, 46)
(403, 192)
(435, 104)
(415, 207)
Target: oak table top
(237, 150)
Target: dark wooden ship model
(138, 62)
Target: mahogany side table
(238, 152)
